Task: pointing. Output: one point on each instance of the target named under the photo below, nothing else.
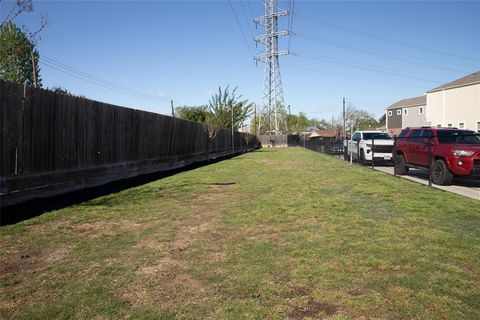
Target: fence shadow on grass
(36, 207)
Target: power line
(240, 26)
(246, 19)
(290, 24)
(8, 15)
(61, 65)
(349, 76)
(401, 43)
(44, 63)
(95, 80)
(367, 67)
(377, 53)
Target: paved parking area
(466, 187)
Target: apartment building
(454, 104)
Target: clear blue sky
(373, 53)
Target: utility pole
(273, 103)
(288, 119)
(255, 119)
(173, 111)
(344, 129)
(33, 71)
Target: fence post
(351, 145)
(347, 153)
(393, 155)
(373, 152)
(429, 161)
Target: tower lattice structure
(272, 114)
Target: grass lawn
(273, 234)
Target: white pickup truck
(360, 146)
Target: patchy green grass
(273, 234)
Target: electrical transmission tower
(273, 111)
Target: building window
(405, 112)
(478, 126)
(420, 110)
(399, 112)
(461, 125)
(439, 125)
(449, 125)
(389, 113)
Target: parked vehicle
(335, 147)
(367, 144)
(454, 152)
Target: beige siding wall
(454, 106)
(413, 117)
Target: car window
(403, 134)
(458, 137)
(426, 133)
(415, 136)
(377, 135)
(356, 135)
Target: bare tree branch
(22, 5)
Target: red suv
(454, 152)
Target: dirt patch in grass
(163, 265)
(312, 310)
(469, 270)
(17, 266)
(92, 229)
(219, 192)
(26, 260)
(269, 233)
(356, 292)
(166, 283)
(153, 245)
(6, 308)
(190, 228)
(298, 291)
(99, 228)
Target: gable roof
(471, 79)
(409, 102)
(326, 133)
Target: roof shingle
(473, 78)
(409, 102)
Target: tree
(198, 114)
(17, 55)
(226, 110)
(254, 124)
(321, 124)
(61, 90)
(382, 120)
(302, 122)
(360, 119)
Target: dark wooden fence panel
(280, 141)
(53, 143)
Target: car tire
(363, 161)
(399, 163)
(440, 173)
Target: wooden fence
(54, 143)
(279, 141)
